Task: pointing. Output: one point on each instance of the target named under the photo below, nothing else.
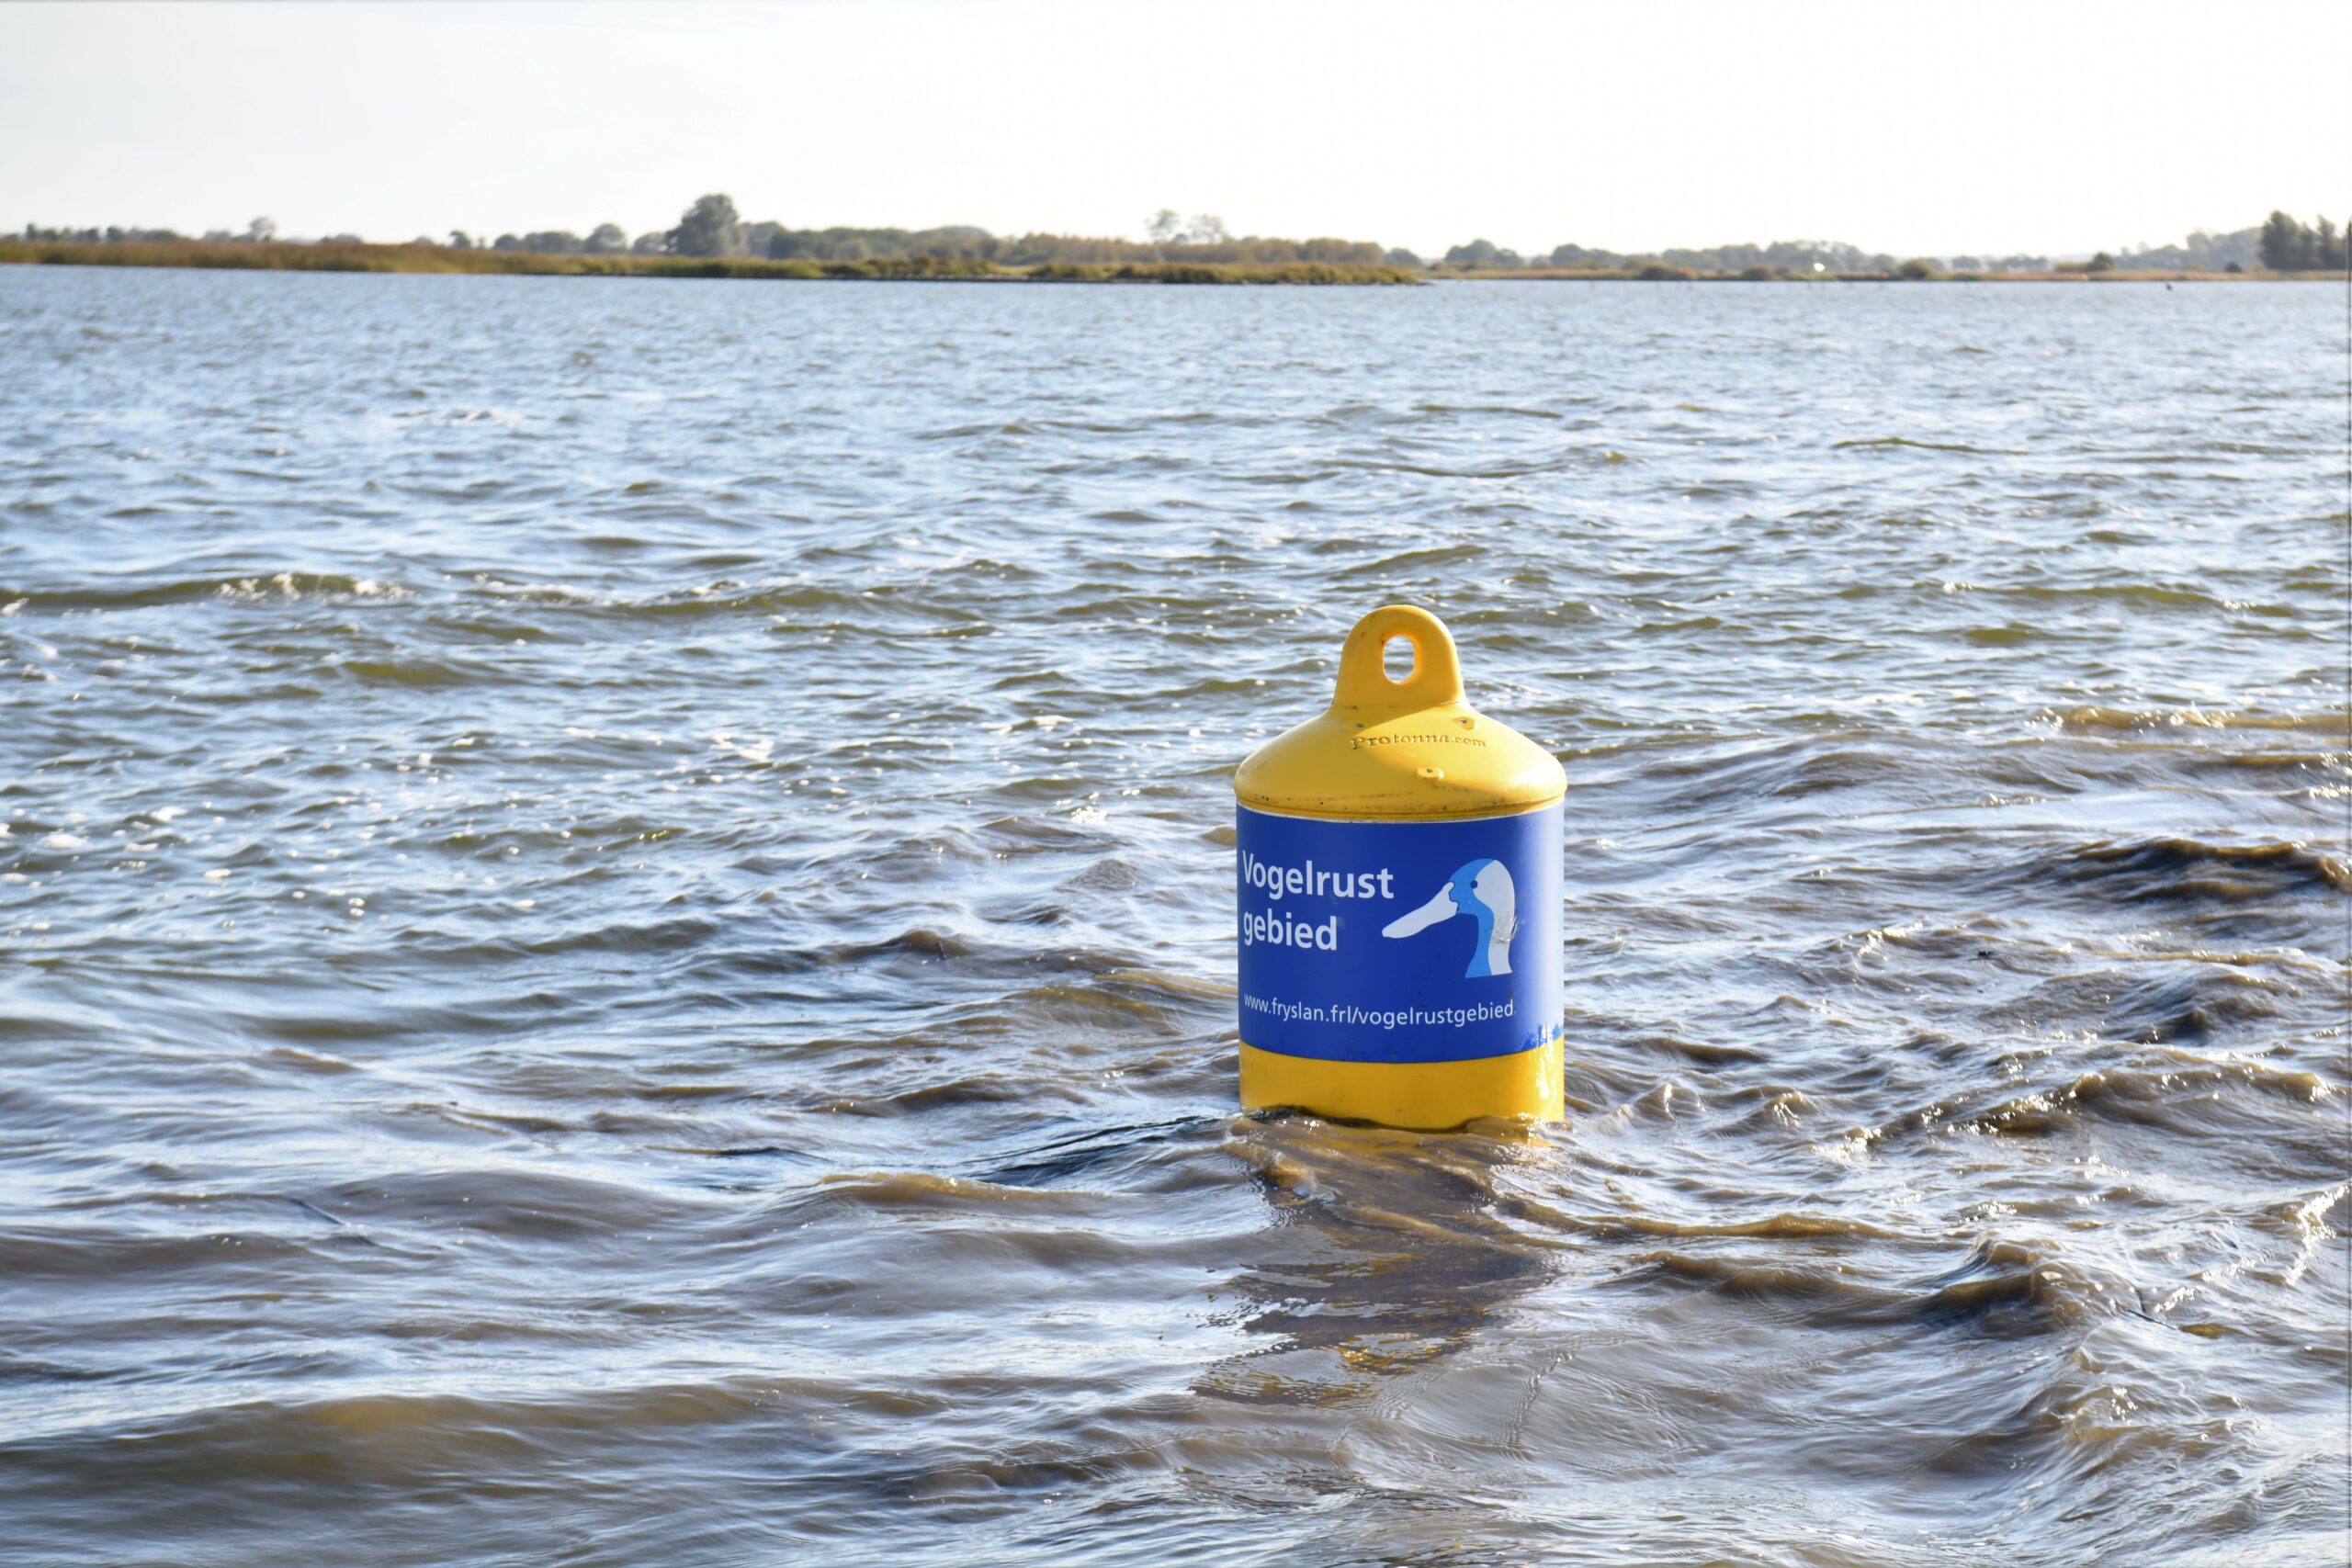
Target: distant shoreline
(1681, 275)
(243, 255)
(248, 255)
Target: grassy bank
(248, 255)
(244, 255)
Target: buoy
(1399, 881)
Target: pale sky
(2057, 127)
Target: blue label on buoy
(1411, 941)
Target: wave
(1862, 442)
(281, 587)
(2181, 869)
(2128, 721)
(2001, 1287)
(2170, 1091)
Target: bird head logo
(1481, 889)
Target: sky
(2054, 128)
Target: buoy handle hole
(1397, 660)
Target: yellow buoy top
(1399, 749)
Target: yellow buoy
(1399, 864)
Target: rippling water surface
(616, 911)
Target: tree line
(712, 228)
(2288, 246)
(2240, 251)
(1780, 256)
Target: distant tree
(1919, 268)
(425, 242)
(262, 230)
(214, 235)
(1721, 258)
(651, 243)
(1579, 256)
(1164, 227)
(553, 242)
(955, 242)
(2282, 244)
(507, 242)
(709, 227)
(460, 240)
(1400, 256)
(2217, 250)
(1205, 229)
(1476, 254)
(343, 240)
(2327, 248)
(2233, 267)
(2201, 251)
(605, 239)
(2099, 263)
(1757, 273)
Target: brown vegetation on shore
(338, 256)
(353, 256)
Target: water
(617, 910)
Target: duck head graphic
(1481, 889)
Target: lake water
(618, 942)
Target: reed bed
(332, 257)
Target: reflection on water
(618, 905)
(1388, 1252)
